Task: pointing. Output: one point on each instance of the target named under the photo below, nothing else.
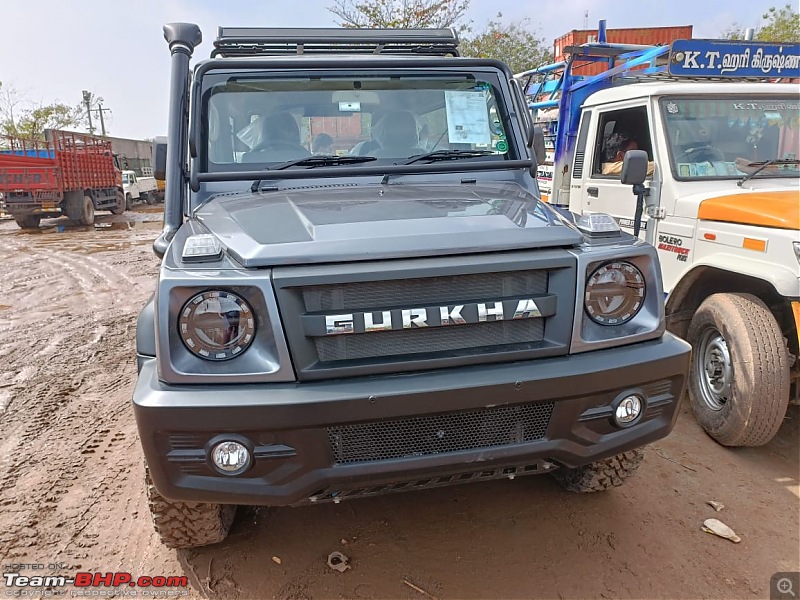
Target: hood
(337, 223)
(778, 209)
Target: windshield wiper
(763, 165)
(317, 160)
(448, 155)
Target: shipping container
(645, 36)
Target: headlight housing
(216, 325)
(614, 293)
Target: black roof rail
(282, 41)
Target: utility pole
(87, 99)
(101, 110)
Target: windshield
(126, 178)
(727, 138)
(257, 121)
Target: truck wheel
(121, 205)
(148, 198)
(600, 475)
(739, 381)
(28, 221)
(87, 212)
(128, 202)
(187, 524)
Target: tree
(400, 13)
(782, 25)
(10, 100)
(57, 115)
(21, 118)
(515, 44)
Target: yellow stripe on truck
(766, 209)
(796, 311)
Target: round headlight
(216, 325)
(614, 293)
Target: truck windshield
(722, 138)
(258, 121)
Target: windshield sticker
(467, 118)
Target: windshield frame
(208, 73)
(661, 102)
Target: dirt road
(71, 482)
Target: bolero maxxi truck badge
(361, 292)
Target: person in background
(322, 144)
(616, 145)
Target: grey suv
(362, 293)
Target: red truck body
(55, 177)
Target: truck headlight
(216, 325)
(615, 292)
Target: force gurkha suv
(362, 293)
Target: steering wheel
(702, 153)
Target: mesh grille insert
(430, 340)
(436, 434)
(428, 291)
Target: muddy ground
(71, 478)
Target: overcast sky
(52, 49)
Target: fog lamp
(628, 411)
(231, 458)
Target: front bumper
(331, 439)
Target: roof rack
(274, 41)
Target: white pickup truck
(720, 202)
(138, 188)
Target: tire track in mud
(69, 455)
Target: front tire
(187, 524)
(739, 381)
(128, 202)
(121, 206)
(601, 475)
(87, 212)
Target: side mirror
(159, 158)
(634, 167)
(538, 144)
(535, 142)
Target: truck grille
(437, 434)
(307, 297)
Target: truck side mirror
(535, 142)
(634, 167)
(159, 158)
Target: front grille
(520, 334)
(433, 340)
(437, 434)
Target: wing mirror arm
(634, 173)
